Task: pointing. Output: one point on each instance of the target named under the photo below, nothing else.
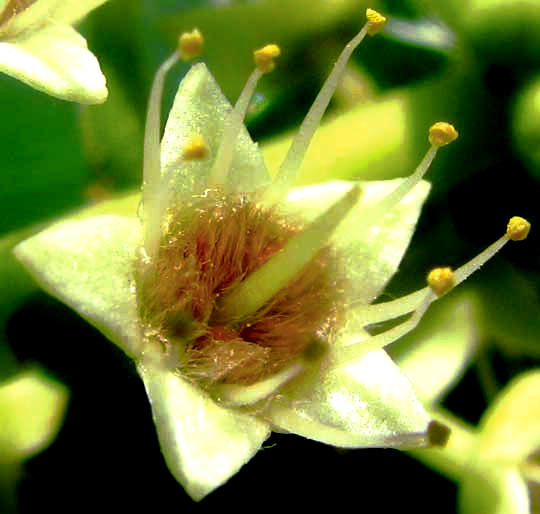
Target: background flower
(467, 62)
(39, 47)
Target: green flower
(496, 463)
(39, 47)
(243, 300)
(32, 408)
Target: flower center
(208, 249)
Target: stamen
(376, 21)
(264, 58)
(189, 43)
(518, 228)
(261, 285)
(440, 280)
(436, 436)
(289, 417)
(355, 350)
(440, 134)
(197, 149)
(291, 165)
(264, 61)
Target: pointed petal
(88, 264)
(367, 404)
(55, 60)
(372, 253)
(511, 426)
(203, 443)
(72, 11)
(201, 108)
(32, 17)
(42, 12)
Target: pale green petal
(443, 346)
(88, 264)
(495, 491)
(200, 108)
(32, 408)
(33, 18)
(71, 11)
(44, 12)
(203, 444)
(372, 253)
(366, 404)
(55, 60)
(511, 426)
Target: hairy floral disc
(209, 248)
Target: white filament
(356, 350)
(291, 165)
(417, 302)
(233, 125)
(152, 159)
(376, 211)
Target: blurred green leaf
(43, 170)
(112, 136)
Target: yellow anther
(375, 20)
(441, 280)
(442, 133)
(264, 57)
(518, 228)
(190, 44)
(196, 149)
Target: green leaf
(112, 135)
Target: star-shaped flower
(242, 300)
(39, 47)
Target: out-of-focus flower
(39, 47)
(496, 463)
(243, 300)
(32, 408)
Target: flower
(39, 47)
(243, 300)
(32, 408)
(496, 463)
